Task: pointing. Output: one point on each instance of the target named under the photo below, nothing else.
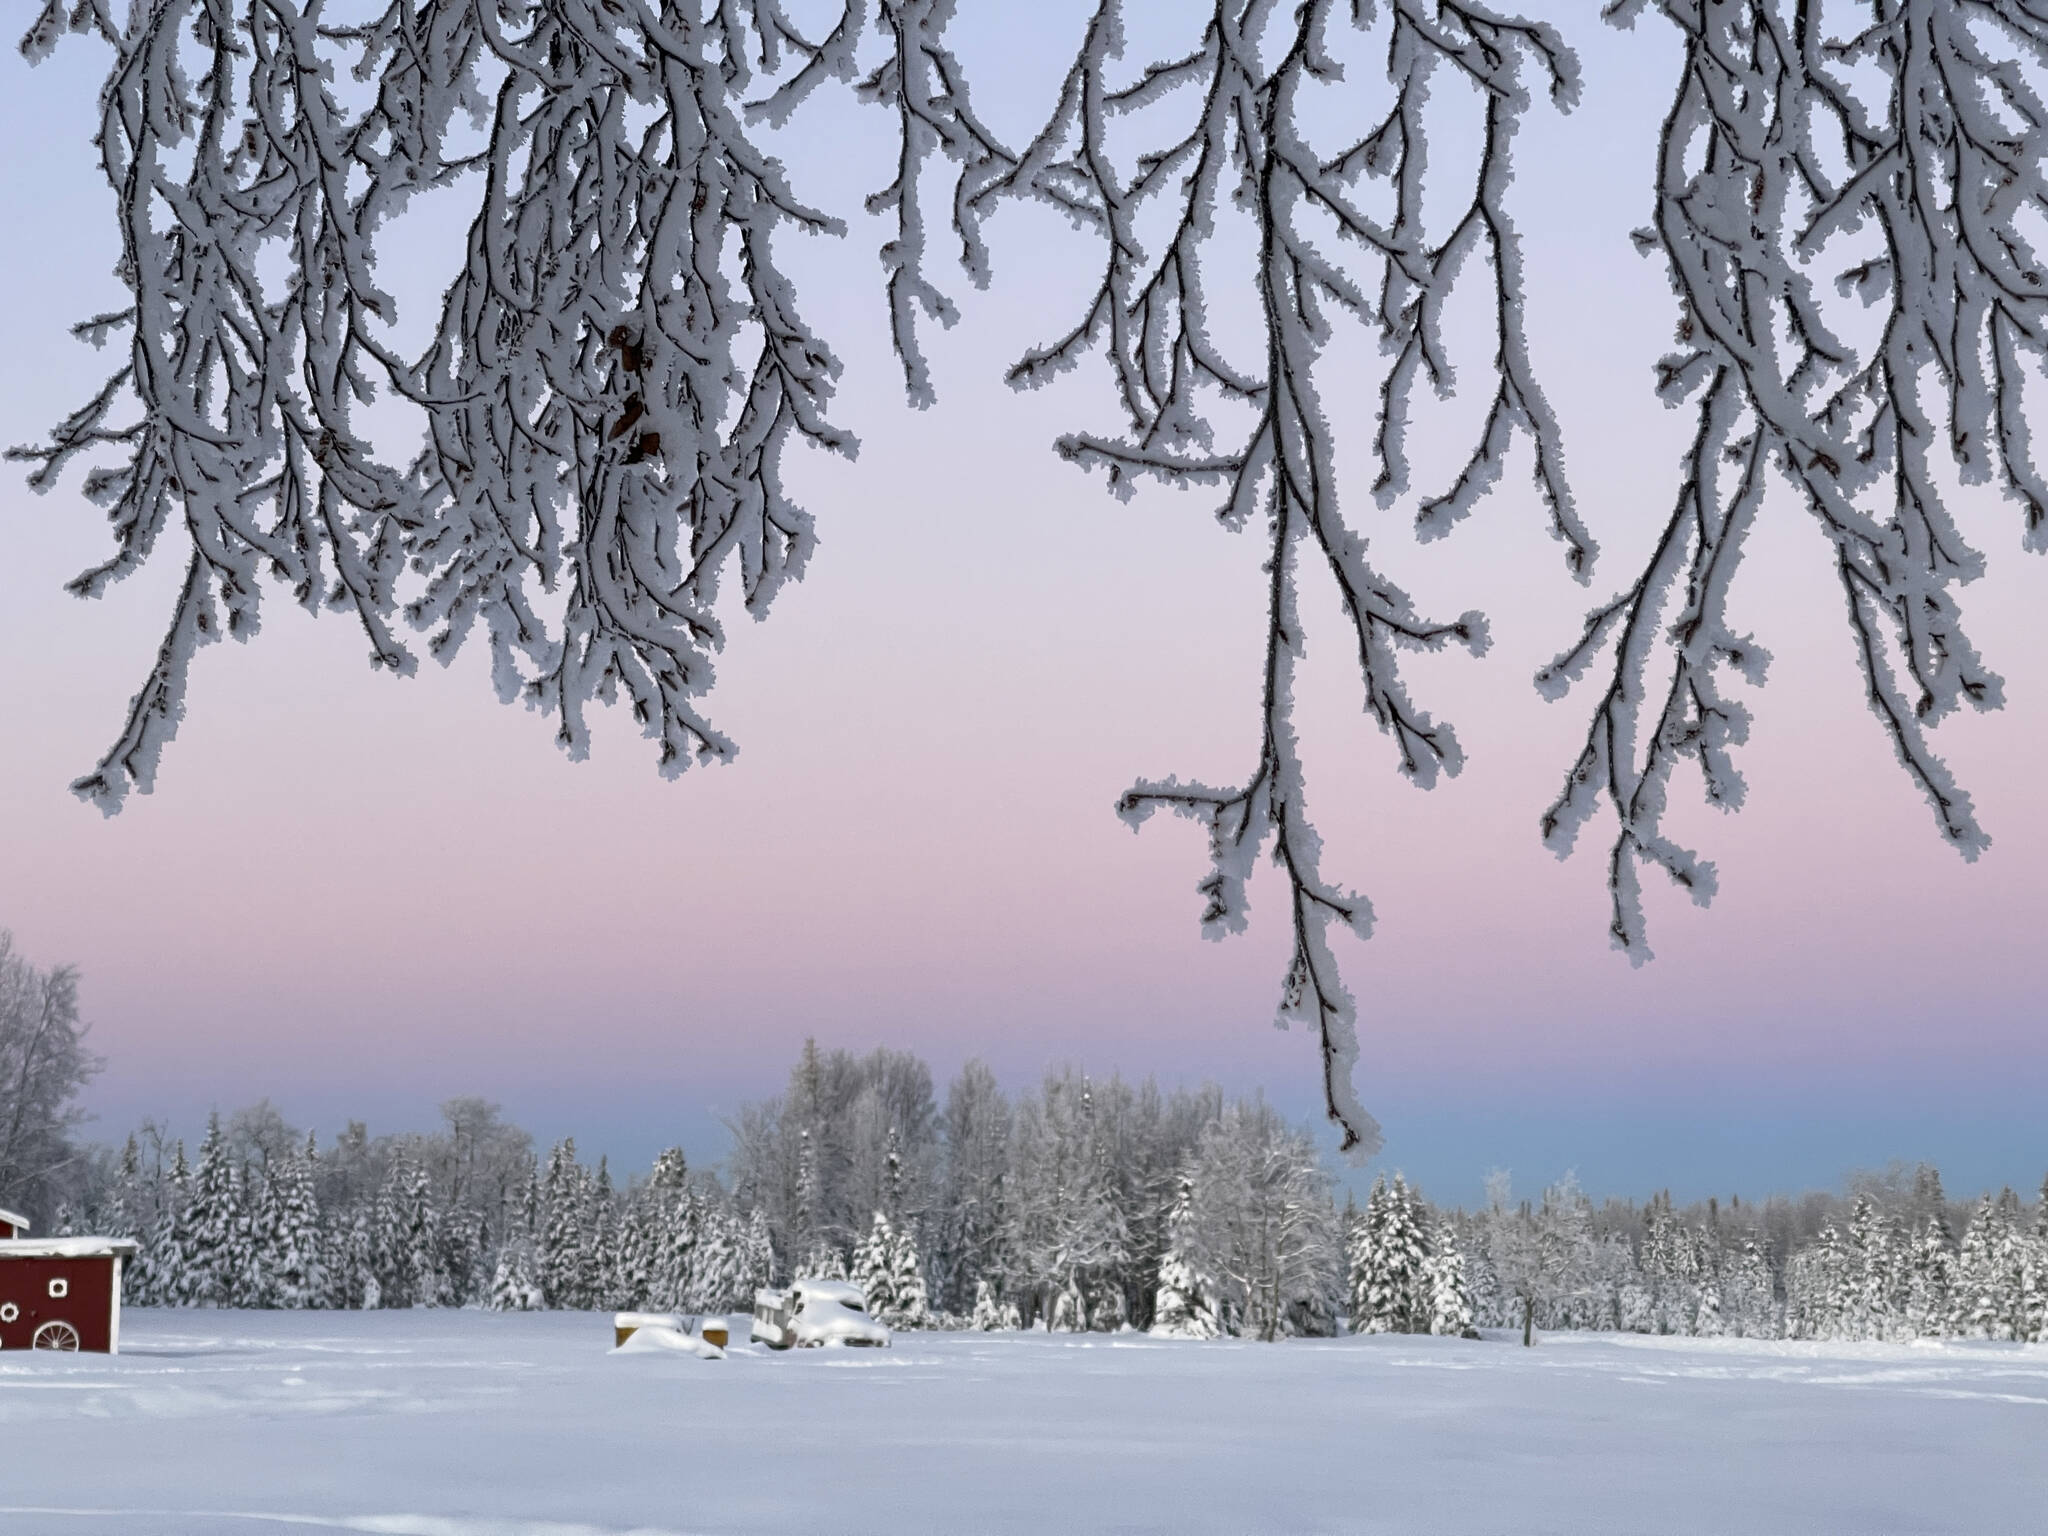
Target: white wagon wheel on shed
(56, 1336)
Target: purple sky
(358, 897)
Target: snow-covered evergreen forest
(1081, 1204)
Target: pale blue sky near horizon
(358, 897)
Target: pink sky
(357, 896)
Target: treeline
(1079, 1204)
(1895, 1260)
(466, 1216)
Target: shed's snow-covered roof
(10, 1219)
(67, 1247)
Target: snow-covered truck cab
(816, 1313)
(61, 1293)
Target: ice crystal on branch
(1897, 165)
(1246, 154)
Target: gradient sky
(358, 896)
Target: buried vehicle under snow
(816, 1312)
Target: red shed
(60, 1292)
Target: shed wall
(88, 1305)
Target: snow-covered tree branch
(1901, 164)
(619, 367)
(1320, 253)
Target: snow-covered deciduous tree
(43, 1065)
(968, 1220)
(1262, 1226)
(601, 414)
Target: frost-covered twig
(1772, 163)
(921, 81)
(1245, 149)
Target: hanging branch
(618, 368)
(1771, 164)
(1245, 149)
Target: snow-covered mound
(659, 1338)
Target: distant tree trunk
(1528, 1321)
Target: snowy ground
(471, 1424)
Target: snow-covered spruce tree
(562, 1237)
(870, 1266)
(1877, 1297)
(1930, 1279)
(910, 1301)
(513, 1286)
(634, 1252)
(601, 1245)
(719, 1283)
(1749, 1294)
(990, 1311)
(683, 1242)
(757, 1257)
(352, 1261)
(1450, 1295)
(1362, 1260)
(1999, 1274)
(160, 1267)
(255, 1283)
(1979, 1305)
(411, 1273)
(515, 1276)
(301, 1275)
(1396, 1299)
(214, 1228)
(1187, 1306)
(1817, 1287)
(128, 1207)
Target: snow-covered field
(475, 1424)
